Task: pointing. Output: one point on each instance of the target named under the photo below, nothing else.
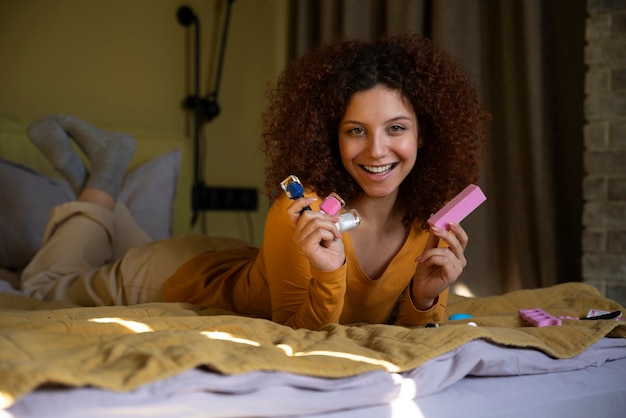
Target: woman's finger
(460, 233)
(456, 239)
(312, 221)
(298, 206)
(444, 259)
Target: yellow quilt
(121, 348)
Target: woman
(393, 127)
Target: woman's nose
(377, 145)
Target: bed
(177, 360)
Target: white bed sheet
(476, 379)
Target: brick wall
(604, 183)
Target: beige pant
(92, 256)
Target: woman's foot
(56, 145)
(109, 153)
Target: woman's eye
(396, 128)
(357, 131)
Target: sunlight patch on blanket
(405, 408)
(134, 326)
(6, 400)
(403, 405)
(390, 367)
(218, 335)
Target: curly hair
(309, 99)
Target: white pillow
(149, 192)
(27, 197)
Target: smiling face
(378, 140)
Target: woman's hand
(438, 268)
(316, 235)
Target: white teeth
(377, 170)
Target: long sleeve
(301, 297)
(305, 298)
(409, 315)
(279, 283)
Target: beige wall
(127, 64)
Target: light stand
(204, 108)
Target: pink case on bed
(459, 207)
(540, 318)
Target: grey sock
(109, 153)
(56, 145)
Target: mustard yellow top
(277, 282)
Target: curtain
(526, 60)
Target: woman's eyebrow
(394, 119)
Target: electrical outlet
(224, 198)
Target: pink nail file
(458, 208)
